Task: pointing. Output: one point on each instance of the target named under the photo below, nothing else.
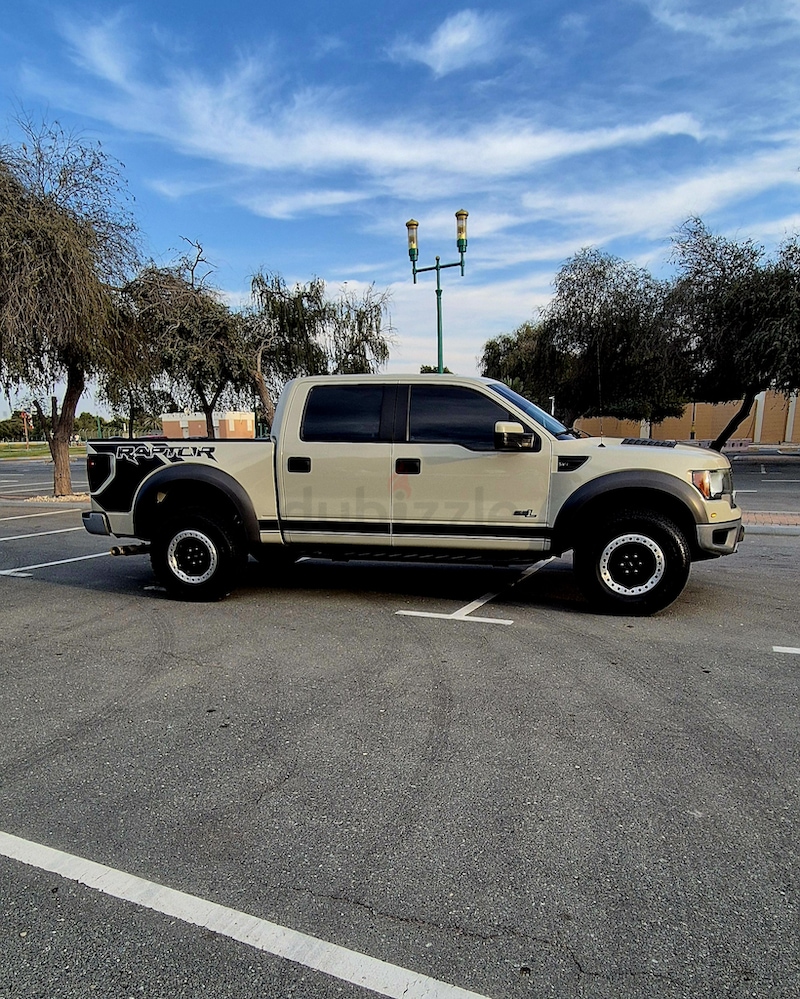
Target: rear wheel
(196, 557)
(638, 564)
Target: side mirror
(514, 437)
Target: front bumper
(95, 523)
(719, 539)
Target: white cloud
(288, 206)
(463, 39)
(471, 314)
(103, 49)
(228, 120)
(652, 210)
(739, 27)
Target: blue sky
(300, 137)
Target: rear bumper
(95, 523)
(719, 539)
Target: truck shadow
(552, 585)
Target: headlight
(713, 483)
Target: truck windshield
(550, 423)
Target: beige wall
(773, 420)
(226, 425)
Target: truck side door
(334, 466)
(452, 488)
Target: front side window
(449, 414)
(343, 413)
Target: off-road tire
(638, 563)
(196, 557)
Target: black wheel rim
(632, 564)
(192, 557)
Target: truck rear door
(335, 465)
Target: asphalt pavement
(542, 802)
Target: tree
(529, 362)
(192, 338)
(67, 238)
(606, 345)
(742, 311)
(613, 327)
(299, 331)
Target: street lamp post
(413, 252)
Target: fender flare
(145, 501)
(646, 480)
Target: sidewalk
(761, 522)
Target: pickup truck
(423, 467)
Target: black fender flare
(145, 503)
(666, 486)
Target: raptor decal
(170, 452)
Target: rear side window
(343, 413)
(453, 415)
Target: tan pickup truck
(418, 467)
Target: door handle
(408, 466)
(298, 465)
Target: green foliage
(742, 312)
(626, 354)
(300, 331)
(12, 429)
(65, 237)
(530, 363)
(606, 345)
(190, 339)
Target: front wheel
(638, 564)
(196, 557)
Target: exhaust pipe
(130, 550)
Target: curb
(787, 530)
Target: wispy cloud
(463, 39)
(239, 119)
(102, 48)
(747, 25)
(652, 210)
(286, 206)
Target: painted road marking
(41, 534)
(22, 571)
(787, 649)
(50, 513)
(464, 613)
(310, 952)
(26, 490)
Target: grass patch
(36, 449)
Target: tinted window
(453, 415)
(343, 413)
(546, 420)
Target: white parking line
(787, 649)
(41, 534)
(50, 513)
(463, 613)
(22, 570)
(311, 952)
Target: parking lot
(360, 780)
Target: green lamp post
(413, 252)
